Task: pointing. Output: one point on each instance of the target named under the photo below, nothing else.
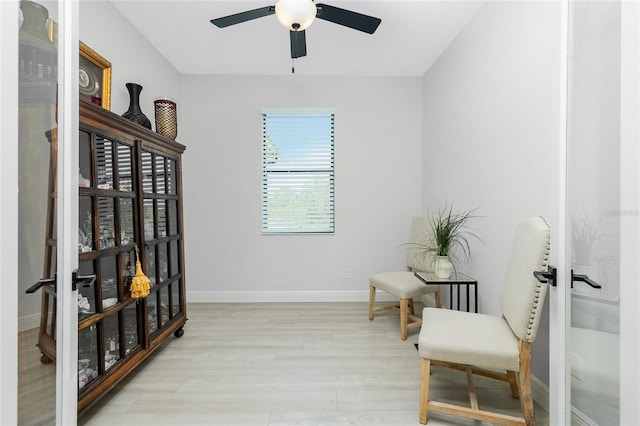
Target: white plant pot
(442, 267)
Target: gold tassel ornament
(140, 282)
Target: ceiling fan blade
(298, 44)
(237, 18)
(357, 21)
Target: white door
(34, 75)
(594, 308)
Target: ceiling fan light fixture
(300, 12)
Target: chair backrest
(523, 295)
(420, 233)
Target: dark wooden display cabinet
(130, 195)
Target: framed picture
(94, 77)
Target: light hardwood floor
(288, 364)
(36, 383)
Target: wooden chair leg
(372, 301)
(473, 396)
(425, 373)
(404, 312)
(526, 398)
(474, 411)
(411, 310)
(438, 302)
(513, 383)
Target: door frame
(67, 214)
(558, 379)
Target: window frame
(327, 174)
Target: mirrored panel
(163, 262)
(150, 269)
(152, 312)
(111, 341)
(108, 282)
(160, 175)
(128, 270)
(86, 292)
(130, 321)
(173, 216)
(147, 171)
(84, 153)
(125, 170)
(104, 163)
(175, 298)
(88, 369)
(149, 219)
(162, 218)
(594, 209)
(171, 177)
(85, 225)
(106, 222)
(36, 63)
(174, 264)
(126, 221)
(164, 305)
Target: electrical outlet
(347, 274)
(576, 365)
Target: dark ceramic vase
(134, 113)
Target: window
(297, 172)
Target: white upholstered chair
(403, 284)
(484, 344)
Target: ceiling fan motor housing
(296, 15)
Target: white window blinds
(297, 172)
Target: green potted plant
(448, 231)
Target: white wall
(490, 117)
(378, 186)
(133, 59)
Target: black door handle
(84, 280)
(41, 283)
(584, 279)
(76, 279)
(548, 276)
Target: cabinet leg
(179, 332)
(45, 359)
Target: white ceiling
(410, 38)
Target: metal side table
(456, 279)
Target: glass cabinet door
(163, 247)
(108, 317)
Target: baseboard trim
(29, 322)
(540, 392)
(578, 418)
(284, 296)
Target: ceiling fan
(297, 15)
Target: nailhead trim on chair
(534, 308)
